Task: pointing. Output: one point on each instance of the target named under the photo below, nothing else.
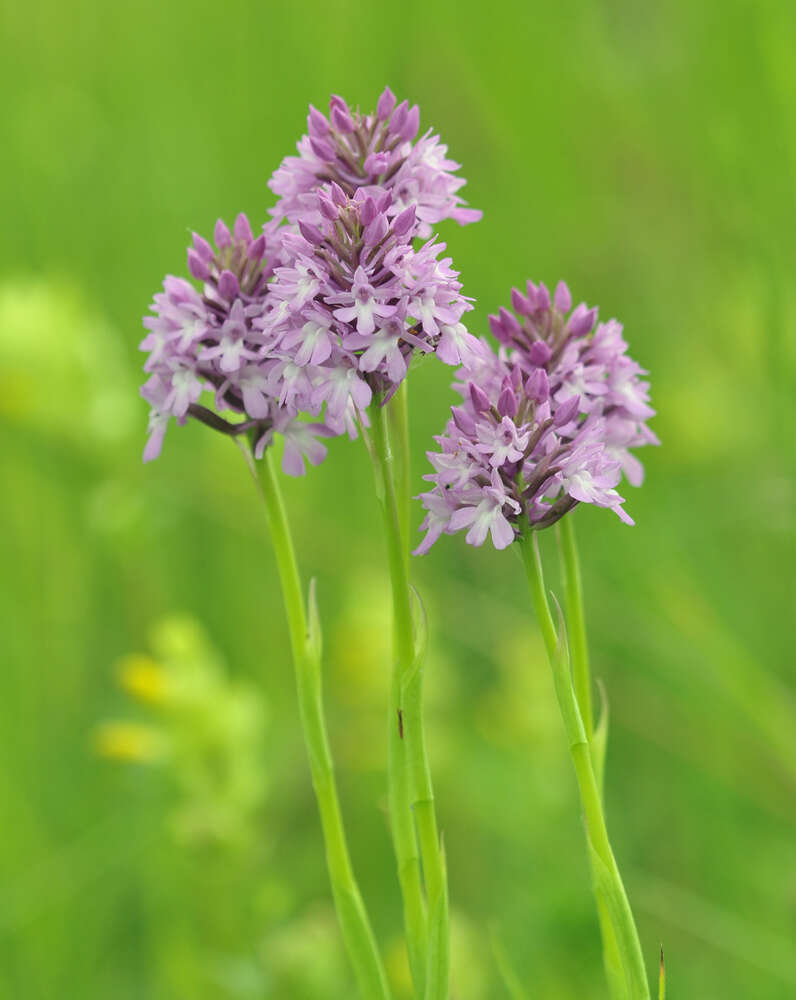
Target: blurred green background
(643, 151)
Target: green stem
(354, 922)
(573, 594)
(408, 769)
(612, 902)
(581, 675)
(398, 415)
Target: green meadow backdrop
(646, 153)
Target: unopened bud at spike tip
(496, 327)
(202, 247)
(197, 266)
(543, 297)
(563, 297)
(317, 124)
(341, 118)
(412, 124)
(385, 105)
(520, 303)
(221, 235)
(582, 320)
(398, 119)
(243, 231)
(509, 322)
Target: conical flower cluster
(545, 423)
(376, 152)
(293, 331)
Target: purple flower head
(214, 341)
(375, 153)
(545, 423)
(354, 300)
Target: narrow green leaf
(662, 979)
(609, 888)
(419, 627)
(599, 740)
(438, 978)
(314, 634)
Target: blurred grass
(644, 152)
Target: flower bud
(328, 208)
(479, 398)
(197, 266)
(385, 105)
(567, 411)
(221, 235)
(509, 322)
(377, 163)
(322, 148)
(257, 248)
(317, 124)
(338, 194)
(582, 320)
(404, 222)
(520, 303)
(341, 117)
(496, 326)
(202, 247)
(543, 297)
(310, 233)
(228, 286)
(507, 402)
(539, 353)
(563, 297)
(398, 119)
(463, 421)
(368, 211)
(376, 231)
(243, 231)
(412, 124)
(537, 386)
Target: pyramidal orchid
(546, 422)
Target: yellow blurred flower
(128, 741)
(143, 678)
